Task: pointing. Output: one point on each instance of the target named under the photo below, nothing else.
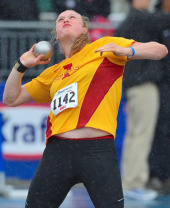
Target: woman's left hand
(117, 50)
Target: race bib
(65, 98)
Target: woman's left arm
(150, 50)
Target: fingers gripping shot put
(45, 48)
(84, 91)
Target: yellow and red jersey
(99, 80)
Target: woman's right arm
(14, 93)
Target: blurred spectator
(92, 8)
(62, 5)
(142, 99)
(46, 10)
(102, 27)
(89, 8)
(159, 159)
(18, 10)
(45, 5)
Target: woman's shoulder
(109, 39)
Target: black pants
(67, 162)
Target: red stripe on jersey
(48, 131)
(106, 74)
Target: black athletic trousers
(68, 162)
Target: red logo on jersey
(67, 68)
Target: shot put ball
(45, 48)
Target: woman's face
(146, 4)
(166, 6)
(69, 25)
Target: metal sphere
(45, 48)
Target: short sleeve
(39, 88)
(120, 41)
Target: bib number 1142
(65, 98)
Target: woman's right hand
(28, 59)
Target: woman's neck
(71, 46)
(67, 45)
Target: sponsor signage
(23, 130)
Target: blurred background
(22, 129)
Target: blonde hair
(80, 42)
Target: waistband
(78, 139)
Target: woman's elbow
(8, 102)
(166, 51)
(163, 53)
